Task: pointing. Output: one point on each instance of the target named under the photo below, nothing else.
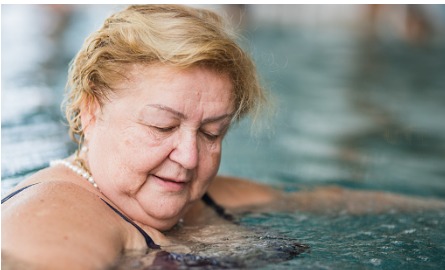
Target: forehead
(183, 89)
(199, 77)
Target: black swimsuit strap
(16, 192)
(150, 243)
(148, 240)
(218, 209)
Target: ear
(89, 112)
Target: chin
(163, 225)
(163, 211)
(168, 216)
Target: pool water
(386, 241)
(273, 241)
(350, 112)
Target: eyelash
(209, 136)
(164, 129)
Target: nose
(186, 151)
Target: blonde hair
(174, 35)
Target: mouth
(170, 184)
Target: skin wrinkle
(182, 116)
(205, 79)
(132, 187)
(130, 124)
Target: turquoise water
(361, 116)
(358, 115)
(349, 112)
(387, 241)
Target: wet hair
(174, 35)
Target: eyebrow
(182, 116)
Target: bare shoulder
(59, 222)
(235, 192)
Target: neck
(78, 168)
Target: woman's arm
(56, 225)
(234, 193)
(333, 199)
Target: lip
(169, 184)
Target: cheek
(208, 168)
(144, 150)
(216, 157)
(210, 159)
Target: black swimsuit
(150, 243)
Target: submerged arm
(236, 193)
(337, 199)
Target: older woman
(151, 96)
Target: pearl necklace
(77, 169)
(84, 173)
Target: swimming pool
(348, 113)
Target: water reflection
(356, 108)
(397, 86)
(38, 41)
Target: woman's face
(155, 146)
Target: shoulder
(59, 220)
(52, 195)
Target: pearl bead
(78, 170)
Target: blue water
(348, 112)
(387, 241)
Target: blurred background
(359, 93)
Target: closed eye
(163, 129)
(220, 132)
(210, 136)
